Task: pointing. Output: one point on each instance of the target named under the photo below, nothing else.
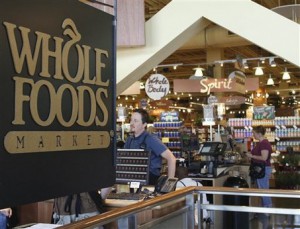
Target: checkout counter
(213, 164)
(212, 169)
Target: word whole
(76, 85)
(157, 86)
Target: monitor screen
(212, 148)
(206, 149)
(132, 165)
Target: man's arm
(171, 161)
(6, 211)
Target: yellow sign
(165, 140)
(45, 141)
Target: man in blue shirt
(4, 213)
(141, 139)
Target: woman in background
(262, 152)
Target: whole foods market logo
(63, 84)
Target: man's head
(138, 122)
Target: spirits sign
(208, 85)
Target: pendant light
(258, 70)
(245, 64)
(270, 80)
(272, 62)
(198, 73)
(286, 75)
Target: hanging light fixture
(258, 70)
(270, 80)
(198, 73)
(245, 64)
(272, 62)
(286, 75)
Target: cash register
(132, 170)
(211, 154)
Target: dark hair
(144, 114)
(259, 129)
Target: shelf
(168, 128)
(176, 138)
(286, 138)
(170, 135)
(284, 152)
(268, 126)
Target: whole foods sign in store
(57, 90)
(157, 86)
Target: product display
(169, 133)
(282, 132)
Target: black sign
(57, 99)
(264, 112)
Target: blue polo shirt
(151, 143)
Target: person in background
(141, 139)
(262, 152)
(185, 181)
(4, 213)
(231, 144)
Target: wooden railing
(128, 214)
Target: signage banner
(157, 86)
(172, 116)
(57, 100)
(208, 112)
(208, 85)
(263, 112)
(212, 99)
(162, 104)
(232, 100)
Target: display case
(169, 133)
(282, 132)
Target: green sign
(263, 112)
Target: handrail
(131, 209)
(128, 210)
(249, 191)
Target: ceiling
(198, 54)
